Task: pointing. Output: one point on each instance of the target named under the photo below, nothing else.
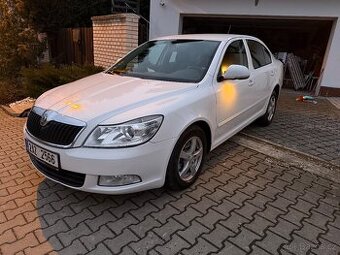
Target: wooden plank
(295, 72)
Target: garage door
(305, 38)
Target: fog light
(118, 180)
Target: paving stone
(294, 216)
(147, 243)
(218, 235)
(271, 243)
(244, 239)
(299, 245)
(326, 248)
(187, 216)
(311, 197)
(258, 251)
(248, 210)
(73, 221)
(143, 197)
(100, 249)
(198, 193)
(43, 248)
(119, 242)
(261, 182)
(231, 249)
(303, 206)
(166, 230)
(183, 202)
(122, 209)
(259, 201)
(202, 247)
(239, 198)
(192, 232)
(58, 227)
(310, 232)
(284, 228)
(332, 200)
(325, 209)
(163, 215)
(218, 195)
(210, 218)
(76, 248)
(92, 240)
(142, 212)
(258, 225)
(144, 226)
(119, 225)
(163, 200)
(96, 222)
(234, 222)
(231, 187)
(332, 235)
(299, 186)
(203, 205)
(175, 245)
(52, 218)
(67, 237)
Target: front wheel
(267, 118)
(187, 159)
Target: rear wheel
(187, 159)
(267, 118)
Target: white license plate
(43, 154)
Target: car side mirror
(236, 72)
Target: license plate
(43, 154)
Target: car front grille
(53, 132)
(67, 177)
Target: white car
(151, 118)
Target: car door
(262, 74)
(234, 97)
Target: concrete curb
(290, 157)
(289, 149)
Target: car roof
(211, 37)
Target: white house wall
(166, 20)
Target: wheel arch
(204, 125)
(277, 89)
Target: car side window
(235, 55)
(259, 54)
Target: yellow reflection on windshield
(228, 94)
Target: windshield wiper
(119, 72)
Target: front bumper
(149, 161)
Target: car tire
(268, 117)
(187, 159)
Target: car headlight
(127, 134)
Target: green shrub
(38, 80)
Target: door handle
(272, 73)
(251, 83)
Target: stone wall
(113, 36)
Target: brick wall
(113, 36)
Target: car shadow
(68, 215)
(76, 222)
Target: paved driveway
(243, 203)
(305, 127)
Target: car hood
(102, 94)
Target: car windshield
(170, 60)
